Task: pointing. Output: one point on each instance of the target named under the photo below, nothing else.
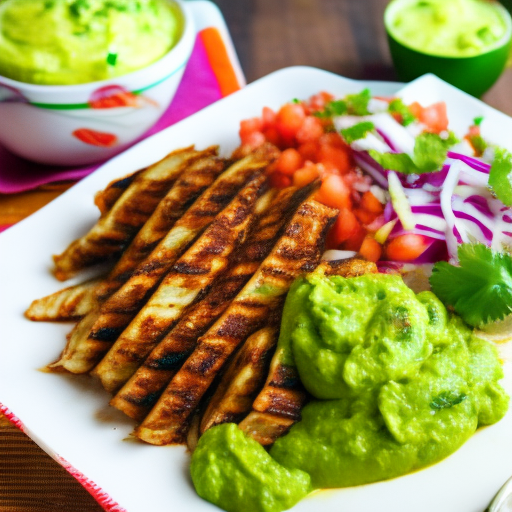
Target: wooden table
(343, 36)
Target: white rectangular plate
(69, 416)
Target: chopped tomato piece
(311, 129)
(309, 150)
(335, 157)
(289, 161)
(434, 117)
(268, 117)
(416, 109)
(354, 242)
(289, 119)
(371, 204)
(248, 126)
(333, 139)
(279, 180)
(253, 139)
(320, 100)
(305, 176)
(364, 216)
(370, 249)
(334, 192)
(346, 225)
(272, 135)
(406, 247)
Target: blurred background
(346, 37)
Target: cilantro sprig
(500, 176)
(357, 131)
(480, 289)
(352, 104)
(399, 108)
(429, 155)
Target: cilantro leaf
(429, 154)
(430, 150)
(397, 106)
(480, 289)
(400, 162)
(357, 104)
(477, 121)
(353, 104)
(500, 176)
(356, 132)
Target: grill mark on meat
(78, 356)
(190, 275)
(167, 419)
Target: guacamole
(397, 384)
(235, 473)
(454, 28)
(54, 42)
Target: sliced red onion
(480, 203)
(453, 237)
(419, 196)
(387, 140)
(474, 163)
(483, 228)
(507, 219)
(389, 212)
(456, 234)
(401, 140)
(434, 179)
(368, 164)
(429, 209)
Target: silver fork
(502, 502)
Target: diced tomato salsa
(312, 150)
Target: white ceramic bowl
(86, 123)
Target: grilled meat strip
(243, 378)
(278, 405)
(192, 274)
(114, 230)
(106, 198)
(141, 392)
(298, 251)
(71, 303)
(190, 185)
(96, 332)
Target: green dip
(449, 28)
(55, 42)
(398, 384)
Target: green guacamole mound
(399, 383)
(53, 42)
(450, 28)
(235, 473)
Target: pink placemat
(204, 77)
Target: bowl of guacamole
(465, 42)
(98, 72)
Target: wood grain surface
(343, 36)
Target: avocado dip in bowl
(82, 79)
(465, 42)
